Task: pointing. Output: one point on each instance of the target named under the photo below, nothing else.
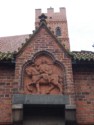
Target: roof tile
(12, 43)
(82, 55)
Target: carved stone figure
(42, 74)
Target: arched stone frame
(58, 31)
(38, 54)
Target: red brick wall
(84, 87)
(6, 81)
(44, 42)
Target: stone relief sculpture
(41, 73)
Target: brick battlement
(54, 16)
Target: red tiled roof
(12, 43)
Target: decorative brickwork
(44, 42)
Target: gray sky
(17, 17)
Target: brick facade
(6, 86)
(78, 76)
(84, 89)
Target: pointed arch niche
(43, 75)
